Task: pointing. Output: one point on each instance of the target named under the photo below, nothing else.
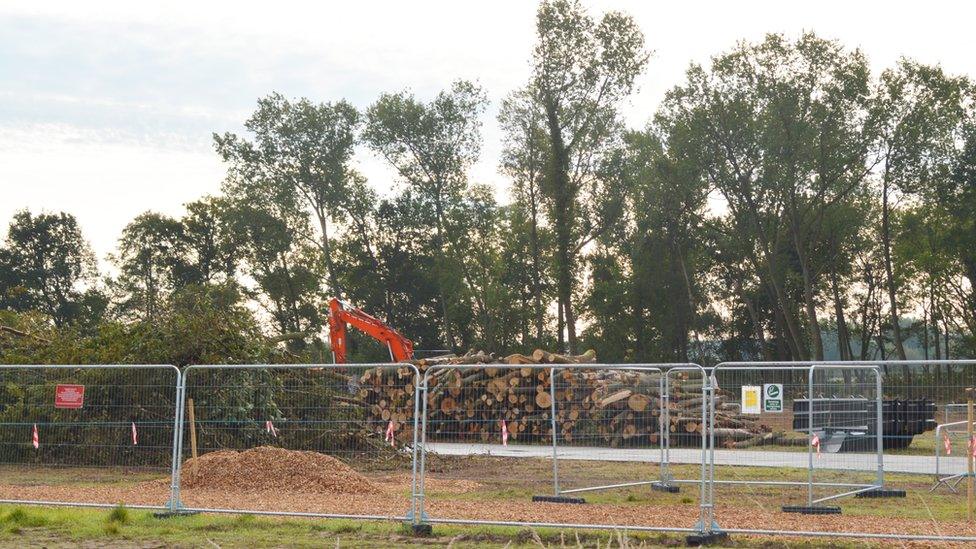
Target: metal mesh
(362, 415)
(102, 422)
(773, 443)
(606, 416)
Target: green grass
(42, 526)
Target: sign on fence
(69, 396)
(773, 397)
(750, 399)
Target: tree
(210, 242)
(780, 129)
(46, 265)
(582, 69)
(305, 150)
(917, 107)
(152, 262)
(432, 145)
(284, 268)
(524, 159)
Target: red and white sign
(504, 433)
(69, 396)
(35, 440)
(270, 429)
(389, 434)
(815, 441)
(946, 443)
(135, 435)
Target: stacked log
(472, 396)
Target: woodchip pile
(269, 468)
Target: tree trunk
(327, 254)
(536, 266)
(886, 240)
(843, 335)
(809, 295)
(441, 267)
(564, 218)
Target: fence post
(420, 515)
(174, 504)
(555, 434)
(879, 406)
(810, 435)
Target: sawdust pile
(269, 468)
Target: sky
(107, 108)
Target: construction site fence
(120, 419)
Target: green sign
(773, 397)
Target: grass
(41, 526)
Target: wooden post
(969, 454)
(193, 428)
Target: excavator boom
(341, 314)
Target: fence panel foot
(882, 493)
(422, 530)
(558, 499)
(710, 538)
(812, 509)
(663, 487)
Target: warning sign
(773, 397)
(750, 399)
(69, 396)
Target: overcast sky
(106, 108)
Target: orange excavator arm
(341, 314)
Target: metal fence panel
(71, 434)
(548, 433)
(307, 440)
(809, 433)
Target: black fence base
(422, 529)
(814, 510)
(881, 493)
(697, 540)
(558, 499)
(177, 513)
(662, 487)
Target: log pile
(475, 396)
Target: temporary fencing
(808, 433)
(364, 414)
(100, 422)
(837, 406)
(587, 427)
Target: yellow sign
(750, 399)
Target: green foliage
(119, 514)
(44, 264)
(783, 203)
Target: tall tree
(582, 70)
(781, 130)
(305, 149)
(525, 158)
(45, 265)
(916, 109)
(432, 146)
(152, 261)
